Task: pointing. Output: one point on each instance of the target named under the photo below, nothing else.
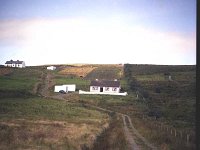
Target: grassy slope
(80, 83)
(149, 77)
(109, 72)
(105, 72)
(23, 117)
(19, 82)
(32, 122)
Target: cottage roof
(105, 83)
(14, 62)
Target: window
(114, 89)
(106, 88)
(94, 88)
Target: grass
(72, 125)
(112, 138)
(151, 77)
(81, 71)
(45, 123)
(108, 72)
(80, 83)
(21, 80)
(174, 100)
(36, 108)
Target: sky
(42, 32)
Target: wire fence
(187, 136)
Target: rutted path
(47, 84)
(132, 135)
(129, 137)
(137, 134)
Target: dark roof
(105, 83)
(14, 62)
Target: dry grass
(5, 71)
(45, 133)
(112, 138)
(77, 70)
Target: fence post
(181, 134)
(188, 138)
(175, 132)
(160, 126)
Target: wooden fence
(185, 135)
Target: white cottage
(18, 64)
(105, 86)
(51, 68)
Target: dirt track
(132, 135)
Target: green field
(23, 118)
(19, 82)
(81, 83)
(31, 122)
(37, 108)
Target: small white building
(51, 68)
(66, 88)
(17, 64)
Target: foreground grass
(113, 137)
(45, 124)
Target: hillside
(166, 92)
(109, 72)
(156, 103)
(31, 120)
(165, 95)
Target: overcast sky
(98, 31)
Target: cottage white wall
(104, 89)
(102, 93)
(8, 65)
(20, 66)
(111, 90)
(16, 65)
(23, 64)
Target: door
(101, 89)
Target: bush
(158, 90)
